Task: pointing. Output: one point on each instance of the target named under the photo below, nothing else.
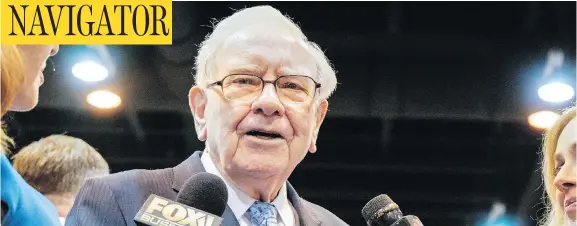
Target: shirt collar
(239, 201)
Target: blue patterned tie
(262, 214)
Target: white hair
(264, 17)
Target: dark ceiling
(431, 105)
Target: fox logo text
(164, 212)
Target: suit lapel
(228, 218)
(307, 216)
(185, 170)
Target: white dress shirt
(239, 202)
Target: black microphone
(382, 211)
(200, 202)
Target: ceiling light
(556, 92)
(90, 71)
(103, 99)
(543, 119)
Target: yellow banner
(107, 22)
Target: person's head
(57, 166)
(255, 128)
(22, 74)
(560, 170)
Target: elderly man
(259, 101)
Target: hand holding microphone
(201, 202)
(382, 211)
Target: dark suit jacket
(114, 200)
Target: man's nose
(268, 103)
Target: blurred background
(439, 105)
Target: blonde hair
(554, 213)
(269, 20)
(59, 164)
(11, 79)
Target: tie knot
(262, 214)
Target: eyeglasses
(246, 88)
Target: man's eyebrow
(245, 69)
(291, 71)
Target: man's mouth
(264, 135)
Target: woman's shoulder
(26, 206)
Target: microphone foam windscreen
(206, 192)
(381, 205)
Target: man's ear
(197, 102)
(321, 112)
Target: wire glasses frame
(247, 87)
